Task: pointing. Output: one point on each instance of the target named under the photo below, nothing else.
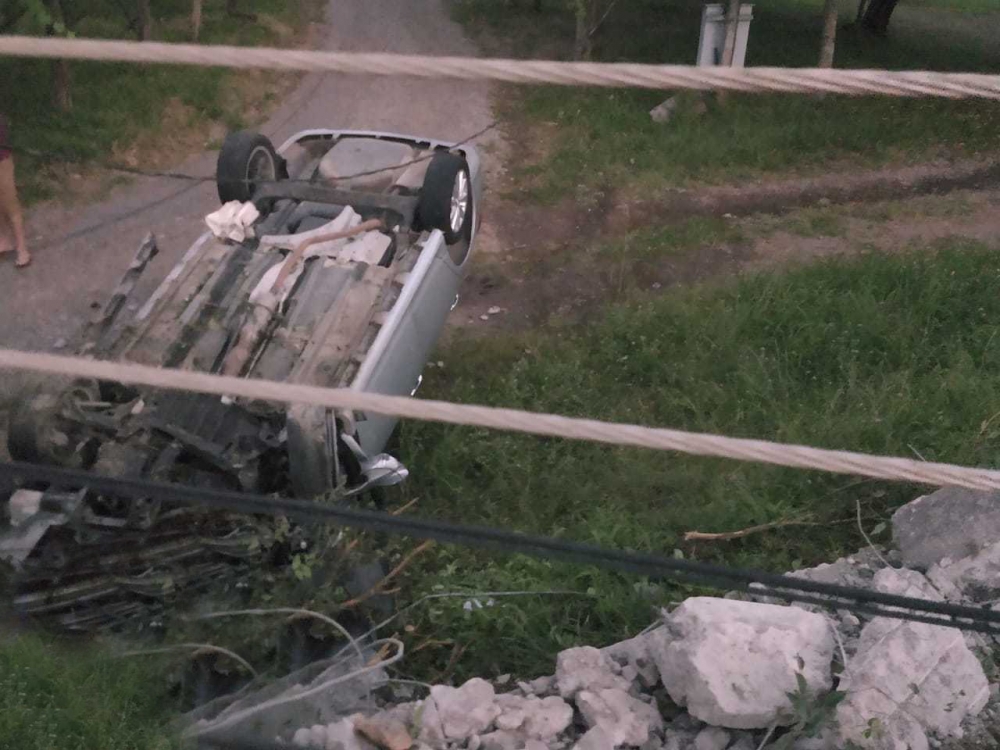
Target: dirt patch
(543, 265)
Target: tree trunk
(829, 34)
(729, 48)
(61, 80)
(195, 19)
(61, 94)
(145, 21)
(862, 4)
(581, 45)
(732, 24)
(877, 15)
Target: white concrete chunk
(340, 735)
(626, 720)
(952, 522)
(906, 583)
(547, 717)
(711, 738)
(532, 717)
(976, 577)
(429, 729)
(732, 663)
(595, 739)
(501, 740)
(466, 710)
(634, 657)
(586, 668)
(908, 679)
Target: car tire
(38, 433)
(246, 159)
(446, 198)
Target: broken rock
(732, 663)
(663, 111)
(976, 578)
(905, 583)
(633, 655)
(953, 523)
(906, 680)
(586, 668)
(427, 721)
(626, 720)
(547, 717)
(711, 738)
(533, 718)
(384, 731)
(595, 739)
(501, 740)
(466, 710)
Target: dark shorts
(5, 153)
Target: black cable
(206, 178)
(758, 583)
(195, 181)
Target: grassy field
(142, 116)
(884, 354)
(57, 696)
(567, 137)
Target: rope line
(513, 420)
(636, 75)
(757, 583)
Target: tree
(49, 14)
(138, 16)
(10, 14)
(589, 17)
(877, 14)
(581, 42)
(829, 34)
(145, 21)
(195, 19)
(732, 26)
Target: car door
(397, 357)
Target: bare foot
(23, 259)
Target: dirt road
(81, 252)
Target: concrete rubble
(733, 663)
(719, 673)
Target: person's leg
(10, 207)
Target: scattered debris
(234, 221)
(976, 578)
(711, 738)
(664, 111)
(626, 720)
(467, 710)
(384, 731)
(586, 668)
(735, 673)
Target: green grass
(607, 137)
(893, 355)
(114, 103)
(57, 697)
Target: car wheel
(38, 431)
(246, 159)
(446, 197)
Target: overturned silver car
(334, 262)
